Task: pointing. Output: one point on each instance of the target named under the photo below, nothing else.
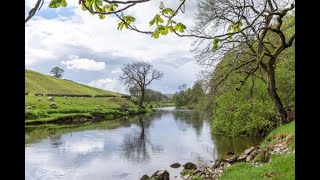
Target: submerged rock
(190, 166)
(175, 165)
(230, 153)
(160, 175)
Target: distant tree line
(189, 97)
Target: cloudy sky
(91, 51)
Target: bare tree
(140, 74)
(253, 30)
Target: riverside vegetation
(249, 111)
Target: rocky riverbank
(255, 155)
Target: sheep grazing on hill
(81, 98)
(28, 107)
(50, 98)
(53, 104)
(39, 99)
(66, 97)
(26, 93)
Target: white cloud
(110, 84)
(84, 35)
(116, 70)
(84, 64)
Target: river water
(151, 142)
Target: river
(149, 143)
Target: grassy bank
(87, 107)
(282, 166)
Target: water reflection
(135, 143)
(225, 144)
(141, 145)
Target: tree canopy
(57, 72)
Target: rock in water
(175, 165)
(232, 159)
(190, 166)
(248, 151)
(160, 175)
(145, 177)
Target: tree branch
(32, 11)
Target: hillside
(39, 110)
(40, 83)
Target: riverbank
(77, 110)
(274, 158)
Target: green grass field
(72, 106)
(281, 166)
(39, 83)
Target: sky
(92, 51)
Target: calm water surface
(128, 152)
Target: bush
(237, 113)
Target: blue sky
(91, 51)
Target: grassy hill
(72, 107)
(40, 83)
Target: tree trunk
(141, 98)
(281, 113)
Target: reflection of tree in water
(135, 144)
(224, 144)
(185, 119)
(56, 142)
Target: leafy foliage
(57, 72)
(189, 97)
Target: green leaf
(156, 20)
(83, 8)
(165, 31)
(112, 7)
(173, 22)
(129, 19)
(120, 26)
(102, 16)
(230, 28)
(55, 3)
(64, 3)
(170, 28)
(155, 35)
(99, 2)
(215, 43)
(153, 20)
(240, 24)
(168, 11)
(89, 4)
(159, 20)
(180, 27)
